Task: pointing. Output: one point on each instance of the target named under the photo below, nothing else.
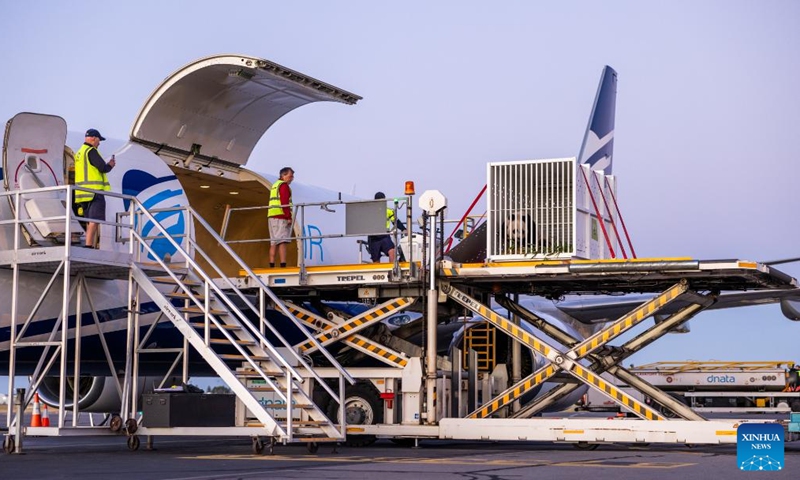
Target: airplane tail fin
(598, 142)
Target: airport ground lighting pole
(432, 202)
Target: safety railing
(299, 213)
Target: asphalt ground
(232, 458)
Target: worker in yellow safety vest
(91, 173)
(279, 216)
(382, 244)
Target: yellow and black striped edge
(623, 399)
(377, 351)
(449, 272)
(514, 392)
(365, 345)
(356, 323)
(612, 331)
(313, 321)
(499, 321)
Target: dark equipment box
(188, 410)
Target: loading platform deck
(549, 278)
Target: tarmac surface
(233, 458)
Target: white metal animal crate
(542, 209)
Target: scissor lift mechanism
(687, 286)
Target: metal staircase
(227, 327)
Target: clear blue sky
(708, 109)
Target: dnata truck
(716, 386)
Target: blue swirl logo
(158, 194)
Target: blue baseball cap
(94, 133)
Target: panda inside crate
(519, 233)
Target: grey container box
(188, 410)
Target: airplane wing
(605, 309)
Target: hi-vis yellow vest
(389, 218)
(88, 176)
(275, 208)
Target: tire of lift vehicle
(258, 446)
(363, 406)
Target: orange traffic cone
(36, 419)
(45, 416)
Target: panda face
(516, 228)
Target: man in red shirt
(280, 216)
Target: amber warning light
(409, 188)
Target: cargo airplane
(189, 146)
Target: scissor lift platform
(545, 278)
(618, 276)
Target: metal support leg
(20, 431)
(516, 358)
(455, 383)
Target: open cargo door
(215, 110)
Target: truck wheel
(796, 406)
(362, 406)
(586, 445)
(666, 412)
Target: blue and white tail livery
(598, 143)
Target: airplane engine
(95, 394)
(791, 310)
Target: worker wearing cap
(382, 244)
(90, 173)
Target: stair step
(171, 281)
(200, 310)
(214, 326)
(236, 356)
(171, 266)
(303, 423)
(254, 374)
(268, 389)
(225, 341)
(183, 295)
(265, 389)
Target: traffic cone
(45, 416)
(36, 419)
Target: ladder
(227, 327)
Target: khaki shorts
(279, 230)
